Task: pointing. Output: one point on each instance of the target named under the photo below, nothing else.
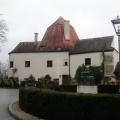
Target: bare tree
(3, 31)
(3, 68)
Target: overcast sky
(90, 18)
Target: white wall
(79, 59)
(108, 63)
(115, 57)
(38, 64)
(111, 59)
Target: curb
(14, 114)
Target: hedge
(54, 105)
(66, 88)
(108, 88)
(101, 88)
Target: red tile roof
(54, 37)
(59, 21)
(54, 40)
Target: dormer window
(41, 47)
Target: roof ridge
(60, 20)
(96, 38)
(30, 42)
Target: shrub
(9, 82)
(22, 84)
(14, 82)
(108, 88)
(2, 83)
(46, 81)
(16, 85)
(47, 77)
(50, 86)
(66, 88)
(30, 81)
(95, 71)
(39, 84)
(54, 105)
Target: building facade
(60, 52)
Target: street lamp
(116, 25)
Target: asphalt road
(7, 96)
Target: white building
(60, 53)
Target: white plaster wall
(113, 43)
(116, 54)
(38, 64)
(109, 63)
(79, 59)
(87, 89)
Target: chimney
(36, 37)
(67, 30)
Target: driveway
(7, 96)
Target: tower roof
(54, 37)
(59, 21)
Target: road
(7, 96)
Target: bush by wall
(66, 88)
(9, 82)
(108, 88)
(39, 83)
(54, 105)
(22, 84)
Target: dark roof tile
(26, 47)
(93, 45)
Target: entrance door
(65, 79)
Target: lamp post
(116, 25)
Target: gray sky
(90, 18)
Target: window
(49, 63)
(27, 63)
(42, 47)
(87, 61)
(11, 64)
(66, 63)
